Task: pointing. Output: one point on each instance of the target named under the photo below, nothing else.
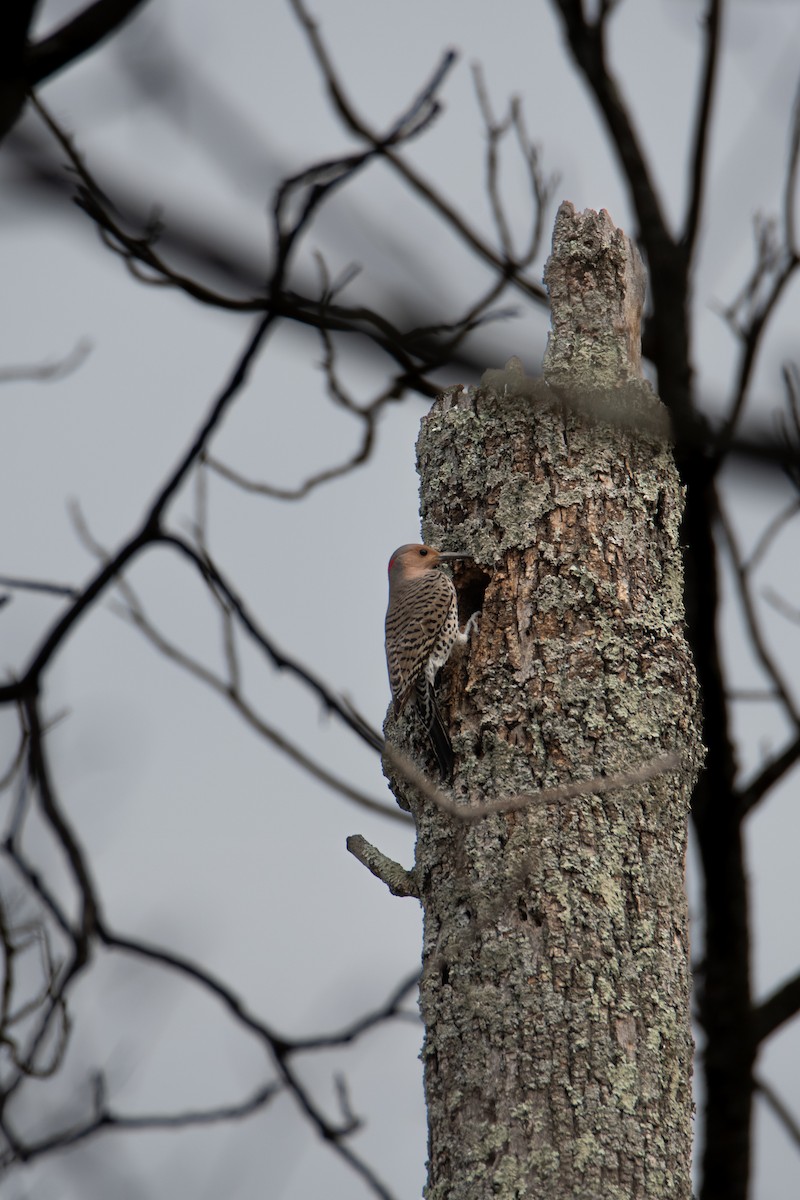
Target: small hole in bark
(445, 974)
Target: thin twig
(770, 773)
(49, 370)
(40, 585)
(768, 662)
(784, 1115)
(279, 659)
(149, 530)
(775, 266)
(414, 179)
(228, 689)
(280, 1048)
(106, 1120)
(769, 533)
(387, 1012)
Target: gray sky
(201, 836)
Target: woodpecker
(421, 629)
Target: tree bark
(555, 986)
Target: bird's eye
(423, 551)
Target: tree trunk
(555, 986)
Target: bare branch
(106, 1120)
(770, 774)
(416, 182)
(468, 812)
(77, 36)
(587, 42)
(280, 1048)
(742, 572)
(495, 132)
(276, 298)
(790, 182)
(39, 770)
(777, 1009)
(40, 585)
(368, 415)
(332, 702)
(769, 533)
(749, 314)
(228, 689)
(16, 761)
(790, 425)
(712, 39)
(58, 369)
(387, 1012)
(150, 529)
(789, 1122)
(541, 190)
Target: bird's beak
(448, 554)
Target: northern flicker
(421, 629)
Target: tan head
(414, 559)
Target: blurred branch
(47, 371)
(23, 63)
(586, 39)
(774, 769)
(699, 158)
(77, 36)
(789, 425)
(17, 938)
(106, 1120)
(16, 761)
(749, 314)
(742, 571)
(369, 414)
(769, 774)
(387, 1012)
(769, 533)
(52, 1007)
(784, 1115)
(41, 782)
(778, 1008)
(541, 188)
(40, 585)
(464, 810)
(281, 1050)
(414, 352)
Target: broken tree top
(596, 280)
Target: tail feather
(440, 742)
(435, 729)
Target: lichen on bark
(555, 988)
